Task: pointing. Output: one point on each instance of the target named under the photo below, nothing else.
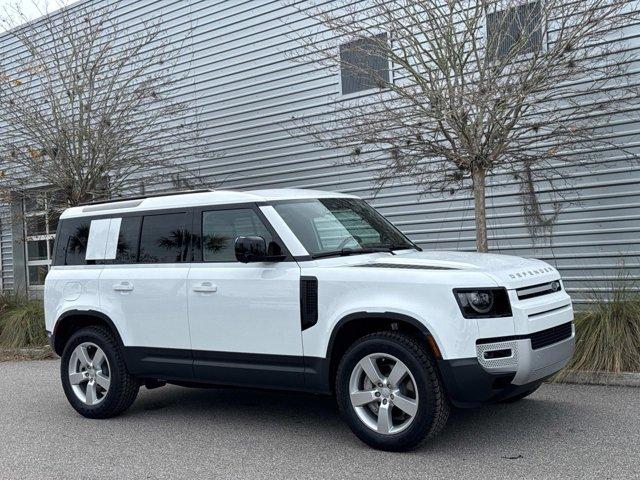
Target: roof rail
(142, 197)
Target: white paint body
(254, 308)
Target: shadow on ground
(499, 427)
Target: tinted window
(164, 238)
(73, 235)
(220, 228)
(128, 238)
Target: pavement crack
(512, 457)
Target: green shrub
(21, 322)
(608, 333)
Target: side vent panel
(308, 302)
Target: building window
(514, 31)
(362, 67)
(40, 222)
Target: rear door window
(128, 238)
(164, 238)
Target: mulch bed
(34, 353)
(623, 379)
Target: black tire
(433, 407)
(520, 396)
(123, 388)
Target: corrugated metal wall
(251, 96)
(6, 250)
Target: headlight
(483, 302)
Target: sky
(29, 7)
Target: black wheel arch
(356, 325)
(73, 320)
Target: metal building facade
(250, 96)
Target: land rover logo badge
(555, 286)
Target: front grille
(550, 336)
(540, 339)
(538, 290)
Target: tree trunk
(479, 183)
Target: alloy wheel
(89, 373)
(383, 393)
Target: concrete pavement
(562, 431)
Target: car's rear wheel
(389, 392)
(94, 375)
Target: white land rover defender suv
(297, 290)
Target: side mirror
(251, 249)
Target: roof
(196, 199)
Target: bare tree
(468, 89)
(92, 106)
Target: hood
(508, 271)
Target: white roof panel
(214, 197)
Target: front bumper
(491, 376)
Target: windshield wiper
(397, 246)
(403, 246)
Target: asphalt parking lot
(562, 431)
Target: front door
(244, 317)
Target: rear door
(145, 289)
(244, 317)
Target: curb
(624, 379)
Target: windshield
(340, 226)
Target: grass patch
(21, 322)
(608, 334)
(9, 300)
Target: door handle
(205, 287)
(123, 287)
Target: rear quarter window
(161, 238)
(72, 239)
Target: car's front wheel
(389, 392)
(94, 375)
